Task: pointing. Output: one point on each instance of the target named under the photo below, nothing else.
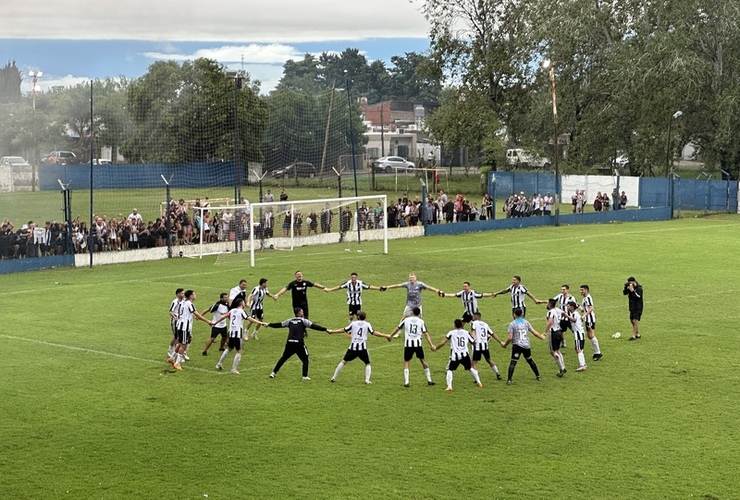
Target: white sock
(339, 369)
(581, 359)
(474, 372)
(562, 360)
(237, 359)
(495, 369)
(187, 346)
(449, 378)
(405, 375)
(428, 373)
(223, 356)
(178, 358)
(368, 371)
(595, 345)
(171, 352)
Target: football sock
(595, 345)
(368, 371)
(495, 369)
(237, 359)
(561, 361)
(428, 373)
(170, 352)
(223, 356)
(406, 375)
(449, 378)
(339, 369)
(533, 366)
(581, 359)
(512, 365)
(178, 358)
(474, 372)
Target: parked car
(622, 160)
(522, 158)
(13, 161)
(60, 158)
(296, 169)
(101, 161)
(388, 164)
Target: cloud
(240, 21)
(253, 53)
(49, 81)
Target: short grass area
(90, 409)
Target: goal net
(336, 225)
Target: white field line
(153, 361)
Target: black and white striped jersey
(258, 294)
(358, 331)
(175, 309)
(458, 340)
(354, 292)
(556, 315)
(236, 322)
(185, 317)
(517, 295)
(219, 309)
(564, 300)
(414, 327)
(481, 333)
(577, 326)
(469, 300)
(587, 303)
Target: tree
(10, 83)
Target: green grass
(90, 409)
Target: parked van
(520, 158)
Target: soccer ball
(616, 335)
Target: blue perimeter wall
(34, 264)
(186, 175)
(639, 215)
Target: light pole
(35, 75)
(547, 64)
(668, 156)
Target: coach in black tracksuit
(295, 345)
(299, 291)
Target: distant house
(396, 128)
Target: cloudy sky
(78, 40)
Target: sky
(73, 41)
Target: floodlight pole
(238, 177)
(90, 237)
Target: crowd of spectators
(522, 206)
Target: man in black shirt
(295, 345)
(633, 290)
(298, 290)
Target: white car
(388, 164)
(521, 158)
(13, 161)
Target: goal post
(350, 221)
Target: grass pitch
(91, 410)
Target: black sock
(533, 366)
(512, 365)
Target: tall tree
(10, 83)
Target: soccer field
(90, 409)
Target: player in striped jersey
(571, 314)
(554, 316)
(459, 340)
(358, 331)
(354, 294)
(174, 314)
(255, 305)
(237, 315)
(518, 291)
(589, 318)
(185, 328)
(219, 327)
(414, 328)
(482, 333)
(564, 298)
(518, 331)
(469, 300)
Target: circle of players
(235, 313)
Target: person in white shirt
(414, 329)
(459, 340)
(135, 215)
(358, 332)
(237, 315)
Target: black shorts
(477, 355)
(635, 315)
(363, 355)
(409, 352)
(183, 336)
(467, 317)
(518, 351)
(579, 342)
(591, 325)
(354, 309)
(236, 343)
(173, 324)
(564, 324)
(218, 330)
(257, 314)
(453, 364)
(556, 339)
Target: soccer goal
(353, 224)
